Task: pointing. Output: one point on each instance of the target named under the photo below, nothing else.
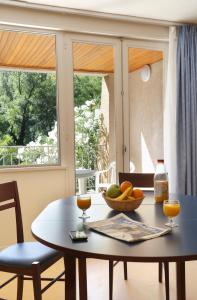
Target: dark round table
(53, 225)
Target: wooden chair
(140, 180)
(27, 260)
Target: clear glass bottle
(160, 182)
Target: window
(28, 110)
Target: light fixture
(145, 73)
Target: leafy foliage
(87, 97)
(42, 151)
(27, 106)
(28, 117)
(87, 88)
(86, 134)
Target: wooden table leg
(83, 295)
(180, 280)
(70, 273)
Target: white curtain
(170, 112)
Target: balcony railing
(28, 155)
(86, 157)
(90, 157)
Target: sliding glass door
(117, 89)
(97, 112)
(143, 85)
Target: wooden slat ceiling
(37, 52)
(29, 51)
(140, 57)
(93, 58)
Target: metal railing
(86, 157)
(28, 155)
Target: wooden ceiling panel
(93, 58)
(29, 51)
(140, 57)
(37, 52)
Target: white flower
(88, 114)
(97, 114)
(89, 102)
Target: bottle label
(161, 190)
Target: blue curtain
(187, 110)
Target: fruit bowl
(123, 205)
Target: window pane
(95, 153)
(145, 82)
(28, 111)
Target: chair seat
(22, 255)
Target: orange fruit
(137, 193)
(124, 185)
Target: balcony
(28, 155)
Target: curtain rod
(89, 13)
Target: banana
(124, 194)
(130, 192)
(130, 198)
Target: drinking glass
(84, 202)
(171, 209)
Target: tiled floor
(142, 283)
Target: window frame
(42, 32)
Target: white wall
(146, 118)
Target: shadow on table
(134, 215)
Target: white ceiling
(169, 10)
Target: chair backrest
(145, 180)
(9, 198)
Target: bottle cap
(160, 160)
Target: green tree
(27, 106)
(87, 88)
(86, 134)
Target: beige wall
(146, 119)
(110, 85)
(36, 190)
(108, 122)
(104, 109)
(103, 157)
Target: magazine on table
(126, 229)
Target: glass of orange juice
(171, 209)
(84, 202)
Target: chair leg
(111, 279)
(125, 270)
(20, 287)
(160, 271)
(36, 281)
(166, 269)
